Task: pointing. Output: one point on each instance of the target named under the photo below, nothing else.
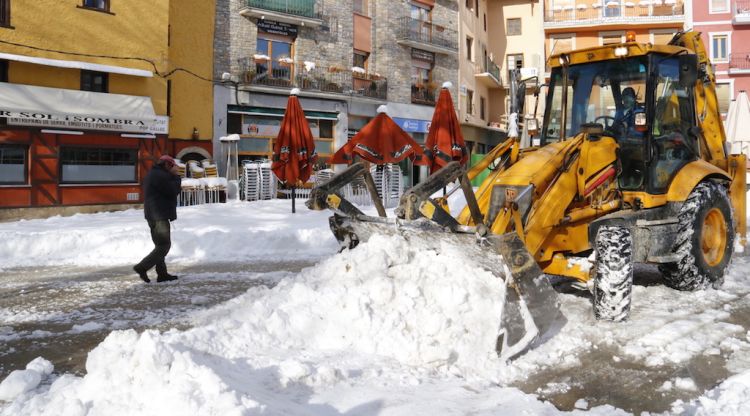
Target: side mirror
(520, 97)
(688, 70)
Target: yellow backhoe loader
(632, 167)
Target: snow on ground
(379, 330)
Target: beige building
(479, 78)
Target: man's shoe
(166, 278)
(142, 274)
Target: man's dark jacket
(161, 188)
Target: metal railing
(426, 32)
(422, 95)
(312, 77)
(306, 8)
(742, 7)
(740, 61)
(490, 67)
(617, 11)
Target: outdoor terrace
(297, 12)
(426, 36)
(313, 77)
(574, 13)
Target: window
(513, 27)
(360, 6)
(514, 61)
(612, 8)
(5, 13)
(94, 81)
(278, 66)
(485, 22)
(661, 37)
(422, 87)
(469, 48)
(3, 71)
(102, 5)
(719, 6)
(724, 95)
(611, 38)
(13, 164)
(360, 59)
(469, 4)
(91, 165)
(719, 47)
(469, 102)
(481, 108)
(561, 44)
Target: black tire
(696, 269)
(613, 279)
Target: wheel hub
(714, 237)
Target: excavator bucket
(531, 305)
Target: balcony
(422, 95)
(739, 63)
(310, 77)
(296, 12)
(741, 12)
(608, 12)
(426, 36)
(488, 74)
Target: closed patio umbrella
(445, 143)
(294, 149)
(738, 124)
(381, 141)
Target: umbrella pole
(293, 192)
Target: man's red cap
(166, 160)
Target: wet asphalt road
(63, 313)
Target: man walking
(161, 188)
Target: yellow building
(87, 87)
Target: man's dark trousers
(160, 235)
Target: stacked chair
(257, 181)
(213, 183)
(201, 182)
(389, 183)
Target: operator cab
(640, 102)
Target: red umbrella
(381, 141)
(445, 143)
(294, 149)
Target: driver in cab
(626, 114)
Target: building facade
(84, 100)
(479, 77)
(571, 24)
(347, 58)
(725, 30)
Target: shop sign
(411, 125)
(261, 126)
(277, 28)
(156, 125)
(422, 55)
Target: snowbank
(206, 233)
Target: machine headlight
(621, 51)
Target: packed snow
(389, 328)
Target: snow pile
(729, 398)
(21, 381)
(233, 232)
(405, 313)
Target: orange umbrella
(294, 149)
(381, 141)
(445, 143)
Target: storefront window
(89, 165)
(12, 164)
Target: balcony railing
(741, 12)
(614, 11)
(739, 62)
(422, 95)
(426, 35)
(492, 68)
(309, 76)
(304, 8)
